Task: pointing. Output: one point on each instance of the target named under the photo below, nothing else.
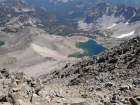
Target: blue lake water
(1, 43)
(91, 48)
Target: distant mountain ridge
(34, 16)
(115, 19)
(66, 7)
(124, 13)
(95, 15)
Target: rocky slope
(19, 89)
(112, 77)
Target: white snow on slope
(125, 35)
(126, 23)
(111, 26)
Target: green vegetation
(109, 32)
(77, 44)
(85, 51)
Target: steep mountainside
(112, 77)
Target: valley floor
(35, 52)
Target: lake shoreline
(88, 49)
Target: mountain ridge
(46, 19)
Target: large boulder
(60, 93)
(2, 96)
(5, 72)
(34, 98)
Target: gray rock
(60, 93)
(84, 103)
(5, 72)
(133, 101)
(1, 76)
(48, 98)
(96, 103)
(108, 84)
(138, 98)
(130, 86)
(136, 82)
(2, 96)
(91, 89)
(124, 88)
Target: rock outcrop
(19, 89)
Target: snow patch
(41, 25)
(134, 15)
(44, 8)
(125, 35)
(111, 26)
(26, 10)
(126, 23)
(84, 26)
(129, 19)
(64, 0)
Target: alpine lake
(90, 48)
(1, 43)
